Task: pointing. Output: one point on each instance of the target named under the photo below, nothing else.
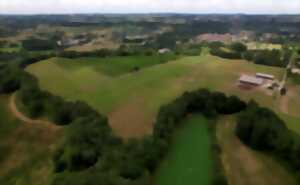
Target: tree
(238, 47)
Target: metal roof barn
(266, 76)
(251, 80)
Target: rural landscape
(150, 99)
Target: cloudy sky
(149, 6)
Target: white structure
(265, 76)
(296, 71)
(251, 80)
(164, 50)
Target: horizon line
(143, 13)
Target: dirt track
(14, 110)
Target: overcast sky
(149, 6)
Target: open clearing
(25, 149)
(244, 166)
(258, 45)
(132, 100)
(189, 161)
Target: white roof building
(164, 50)
(265, 76)
(296, 71)
(251, 80)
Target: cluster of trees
(233, 51)
(11, 69)
(36, 44)
(261, 129)
(269, 57)
(9, 78)
(189, 50)
(278, 58)
(122, 51)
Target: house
(251, 80)
(265, 76)
(164, 50)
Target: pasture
(131, 100)
(258, 45)
(189, 160)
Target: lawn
(132, 100)
(189, 160)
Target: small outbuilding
(164, 50)
(265, 76)
(295, 71)
(251, 80)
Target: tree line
(261, 129)
(274, 57)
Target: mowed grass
(132, 100)
(189, 161)
(25, 150)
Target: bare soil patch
(129, 120)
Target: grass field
(132, 100)
(25, 149)
(189, 161)
(258, 45)
(114, 66)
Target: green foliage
(35, 44)
(269, 57)
(260, 128)
(263, 130)
(238, 47)
(225, 54)
(9, 78)
(264, 57)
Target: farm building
(295, 71)
(250, 80)
(164, 50)
(265, 76)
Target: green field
(259, 45)
(114, 66)
(189, 161)
(132, 100)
